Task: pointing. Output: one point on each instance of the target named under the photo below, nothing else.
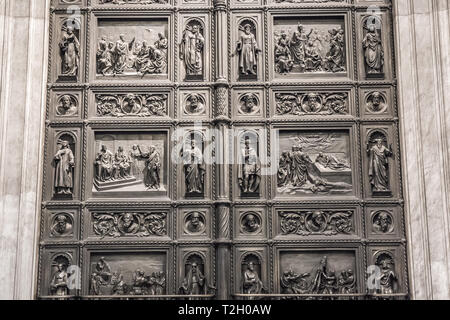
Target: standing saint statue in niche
(248, 51)
(195, 282)
(379, 166)
(70, 53)
(59, 284)
(250, 172)
(191, 51)
(64, 162)
(373, 51)
(194, 170)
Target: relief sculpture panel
(223, 149)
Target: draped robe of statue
(336, 56)
(122, 51)
(194, 283)
(299, 168)
(378, 167)
(194, 169)
(248, 49)
(64, 162)
(70, 52)
(298, 43)
(143, 57)
(191, 51)
(284, 170)
(152, 169)
(373, 54)
(104, 163)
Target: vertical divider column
(222, 155)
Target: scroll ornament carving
(123, 57)
(129, 224)
(307, 223)
(311, 103)
(140, 105)
(305, 51)
(323, 281)
(104, 281)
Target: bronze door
(222, 149)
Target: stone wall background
(423, 68)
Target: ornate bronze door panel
(222, 149)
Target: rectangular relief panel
(113, 224)
(310, 46)
(131, 48)
(300, 103)
(140, 104)
(128, 164)
(314, 163)
(127, 272)
(311, 223)
(318, 271)
(222, 149)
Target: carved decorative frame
(223, 100)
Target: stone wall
(423, 61)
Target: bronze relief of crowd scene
(104, 281)
(132, 56)
(322, 280)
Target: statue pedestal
(375, 75)
(194, 195)
(194, 77)
(248, 77)
(382, 194)
(63, 78)
(252, 195)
